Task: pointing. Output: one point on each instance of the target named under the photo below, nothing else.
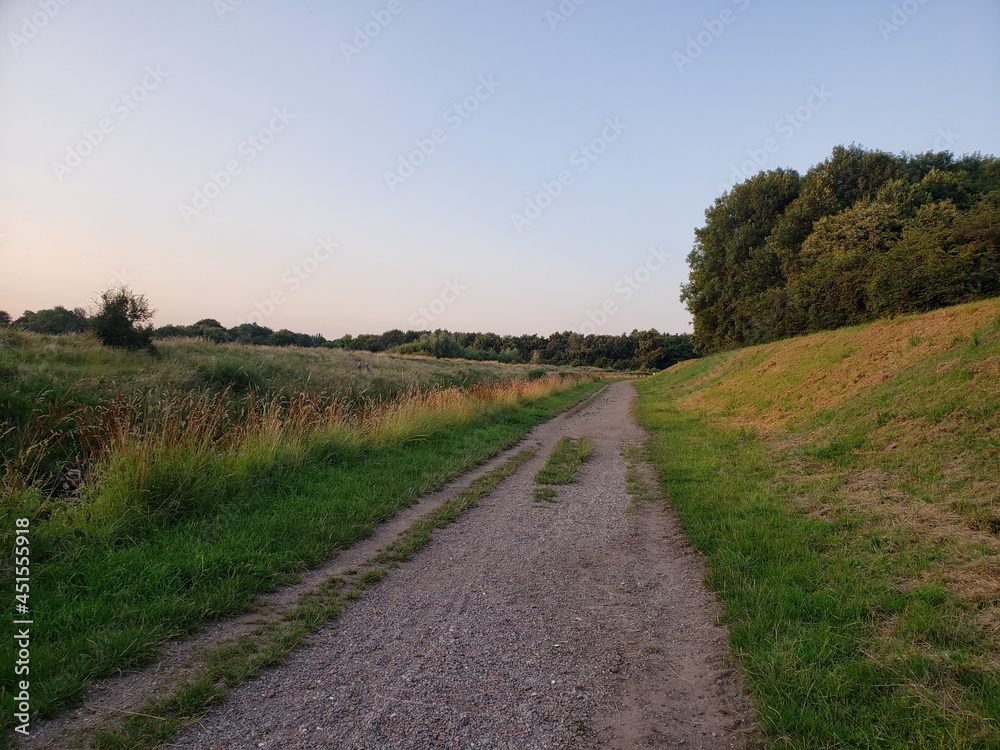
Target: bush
(232, 374)
(119, 313)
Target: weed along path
(571, 618)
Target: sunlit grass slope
(846, 489)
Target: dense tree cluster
(245, 333)
(639, 350)
(55, 320)
(862, 235)
(650, 350)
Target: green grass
(562, 466)
(638, 486)
(195, 507)
(230, 665)
(855, 584)
(51, 387)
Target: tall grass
(194, 501)
(153, 459)
(203, 413)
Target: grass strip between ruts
(562, 466)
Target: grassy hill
(845, 488)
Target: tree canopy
(861, 235)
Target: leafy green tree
(836, 261)
(849, 175)
(442, 344)
(284, 337)
(734, 270)
(854, 238)
(170, 331)
(55, 320)
(122, 318)
(944, 257)
(211, 329)
(5, 319)
(250, 333)
(919, 272)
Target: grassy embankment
(215, 473)
(845, 488)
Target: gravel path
(575, 624)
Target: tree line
(638, 350)
(862, 235)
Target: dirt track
(581, 623)
(573, 624)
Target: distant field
(51, 383)
(846, 489)
(31, 363)
(212, 473)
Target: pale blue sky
(440, 248)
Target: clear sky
(501, 165)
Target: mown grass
(197, 502)
(848, 534)
(562, 465)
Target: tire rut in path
(574, 624)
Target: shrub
(230, 373)
(119, 315)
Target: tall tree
(734, 271)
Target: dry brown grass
(809, 374)
(895, 426)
